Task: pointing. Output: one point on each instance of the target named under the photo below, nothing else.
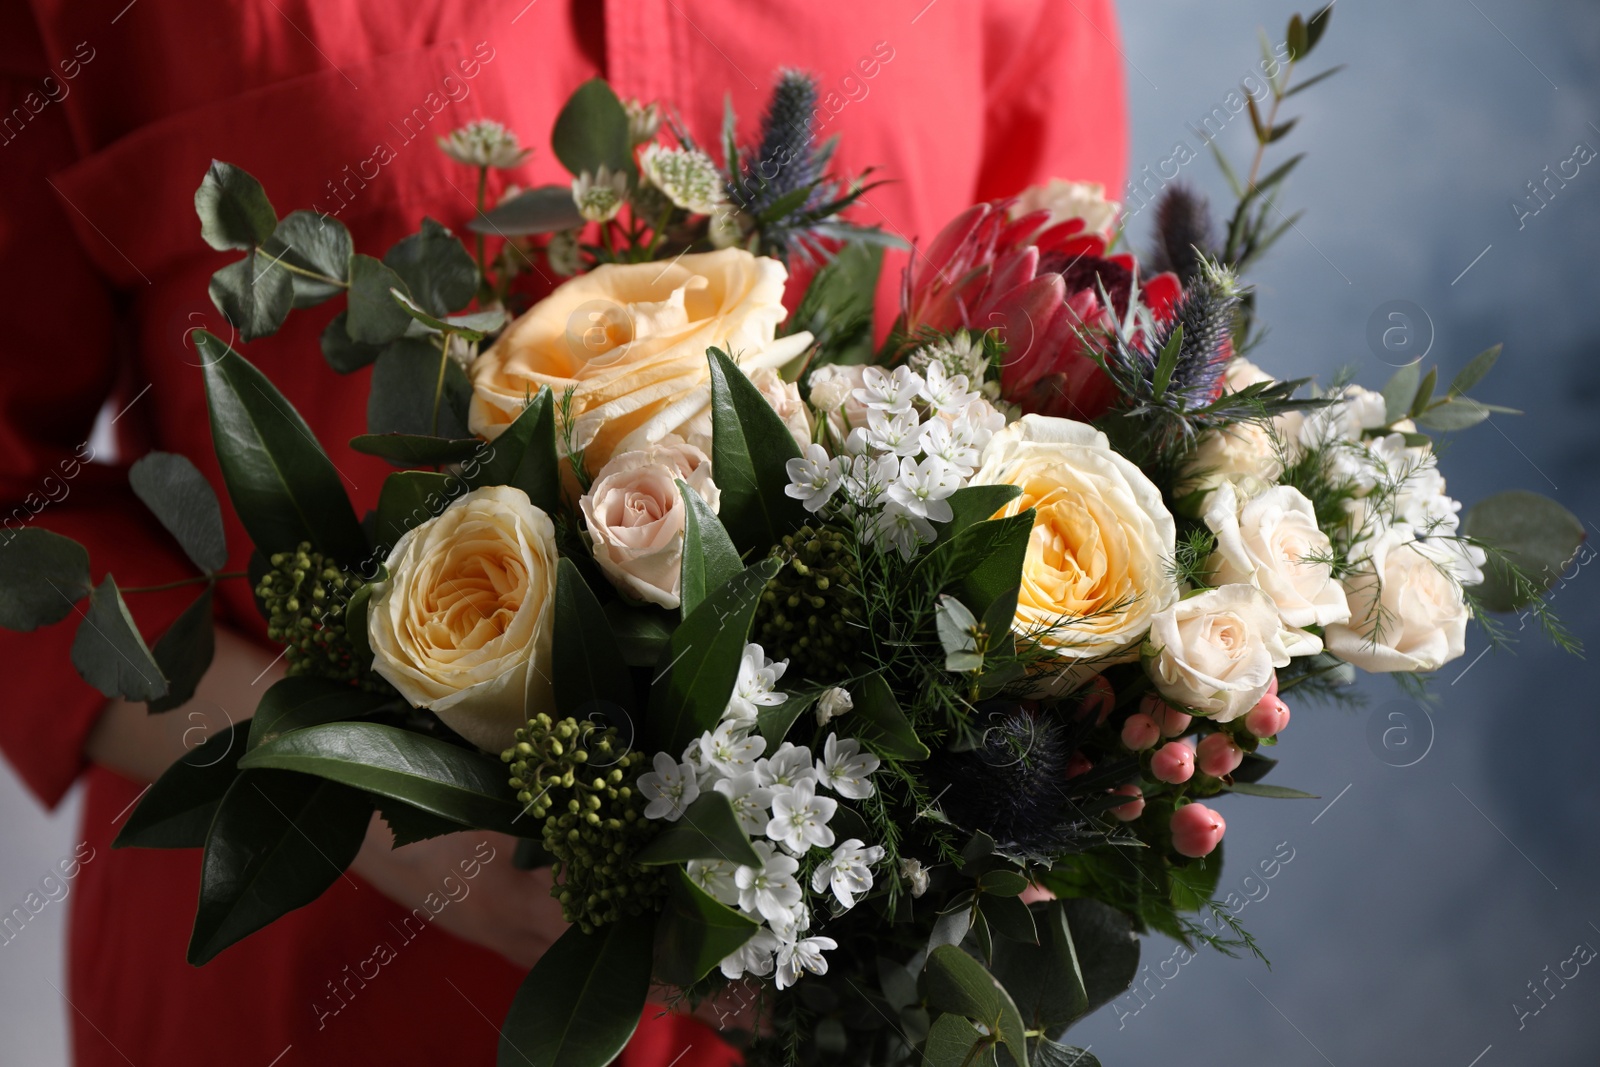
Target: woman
(112, 111)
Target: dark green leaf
(410, 825)
(708, 830)
(1314, 79)
(373, 317)
(984, 561)
(837, 307)
(1315, 27)
(974, 504)
(546, 209)
(282, 484)
(355, 625)
(592, 131)
(1400, 390)
(1043, 978)
(1010, 918)
(427, 773)
(1106, 949)
(1473, 373)
(300, 701)
(1297, 38)
(1003, 882)
(954, 982)
(179, 495)
(701, 661)
(417, 389)
(183, 653)
(1424, 392)
(1166, 363)
(42, 575)
(233, 208)
(524, 456)
(750, 447)
(950, 1042)
(709, 558)
(110, 654)
(774, 720)
(585, 678)
(408, 499)
(1047, 1053)
(343, 353)
(317, 243)
(1261, 789)
(439, 273)
(642, 631)
(277, 841)
(582, 1001)
(176, 811)
(1536, 535)
(254, 294)
(878, 720)
(408, 449)
(695, 933)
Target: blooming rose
(629, 341)
(784, 398)
(462, 625)
(833, 395)
(1273, 543)
(1097, 566)
(1070, 200)
(635, 517)
(1246, 454)
(1407, 611)
(1215, 652)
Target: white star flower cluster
(913, 439)
(785, 802)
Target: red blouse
(109, 113)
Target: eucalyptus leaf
(592, 131)
(316, 243)
(42, 575)
(1400, 390)
(343, 353)
(1043, 978)
(1534, 533)
(440, 275)
(233, 208)
(109, 652)
(1474, 372)
(953, 981)
(1047, 1053)
(373, 317)
(176, 811)
(183, 654)
(545, 209)
(1106, 949)
(255, 294)
(1458, 413)
(178, 494)
(416, 389)
(707, 830)
(950, 1043)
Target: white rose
(1356, 409)
(1098, 564)
(462, 624)
(1246, 454)
(635, 516)
(1273, 543)
(1407, 610)
(784, 398)
(1241, 374)
(1070, 200)
(1214, 653)
(833, 395)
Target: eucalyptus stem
(438, 385)
(180, 583)
(292, 269)
(477, 238)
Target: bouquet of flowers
(885, 685)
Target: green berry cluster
(577, 777)
(809, 606)
(306, 594)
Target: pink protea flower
(1040, 286)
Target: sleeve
(61, 366)
(1056, 96)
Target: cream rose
(1407, 611)
(784, 398)
(635, 516)
(1070, 200)
(629, 341)
(833, 395)
(1272, 542)
(1246, 454)
(1098, 564)
(1214, 653)
(462, 624)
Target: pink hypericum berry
(1077, 764)
(1173, 763)
(1218, 755)
(1099, 699)
(1133, 808)
(1140, 732)
(1172, 721)
(1268, 717)
(1196, 830)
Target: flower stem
(207, 578)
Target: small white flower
(945, 394)
(750, 799)
(484, 143)
(814, 478)
(770, 890)
(715, 877)
(795, 957)
(922, 488)
(563, 253)
(730, 750)
(687, 177)
(951, 442)
(899, 432)
(832, 704)
(844, 767)
(600, 196)
(670, 788)
(902, 528)
(962, 353)
(889, 392)
(915, 873)
(644, 120)
(848, 871)
(868, 478)
(788, 767)
(754, 687)
(752, 957)
(800, 818)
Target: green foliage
(954, 982)
(179, 495)
(373, 317)
(42, 575)
(524, 456)
(544, 209)
(305, 595)
(585, 680)
(418, 389)
(438, 273)
(1533, 538)
(695, 932)
(319, 245)
(837, 308)
(879, 721)
(750, 447)
(299, 702)
(109, 652)
(708, 830)
(592, 132)
(176, 811)
(709, 558)
(233, 208)
(183, 654)
(255, 294)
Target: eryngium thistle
(1205, 313)
(785, 160)
(1183, 233)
